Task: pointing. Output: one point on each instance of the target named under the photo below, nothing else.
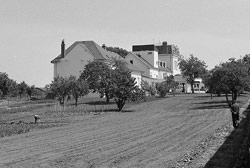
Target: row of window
(163, 64)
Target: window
(161, 64)
(164, 64)
(149, 52)
(131, 61)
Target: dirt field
(151, 135)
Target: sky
(31, 31)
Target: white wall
(73, 62)
(172, 62)
(149, 56)
(154, 73)
(138, 64)
(137, 76)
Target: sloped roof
(97, 51)
(148, 64)
(143, 61)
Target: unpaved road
(151, 136)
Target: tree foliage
(120, 51)
(192, 68)
(78, 88)
(230, 77)
(97, 73)
(150, 89)
(164, 87)
(113, 79)
(22, 89)
(4, 84)
(60, 88)
(30, 90)
(123, 86)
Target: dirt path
(151, 136)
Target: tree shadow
(235, 147)
(98, 103)
(211, 105)
(218, 106)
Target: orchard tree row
(230, 77)
(10, 88)
(111, 79)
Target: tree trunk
(107, 97)
(211, 94)
(120, 103)
(235, 94)
(192, 86)
(229, 104)
(76, 100)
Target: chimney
(164, 47)
(62, 49)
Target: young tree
(22, 88)
(171, 83)
(4, 84)
(123, 85)
(97, 73)
(30, 90)
(192, 68)
(78, 88)
(162, 88)
(13, 90)
(60, 88)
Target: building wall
(149, 56)
(176, 69)
(73, 63)
(163, 74)
(138, 64)
(138, 78)
(153, 73)
(172, 62)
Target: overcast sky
(31, 31)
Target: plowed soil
(151, 135)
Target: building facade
(151, 63)
(72, 60)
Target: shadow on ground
(234, 151)
(211, 105)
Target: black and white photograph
(124, 84)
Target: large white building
(72, 60)
(151, 63)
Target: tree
(13, 90)
(78, 88)
(123, 85)
(60, 88)
(162, 88)
(171, 83)
(22, 88)
(151, 89)
(192, 68)
(30, 90)
(230, 77)
(97, 73)
(120, 51)
(4, 84)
